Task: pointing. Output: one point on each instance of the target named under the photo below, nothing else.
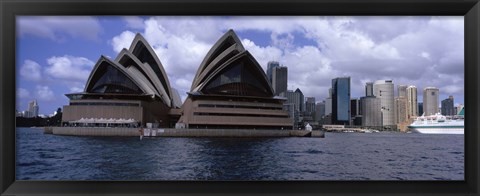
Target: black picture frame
(470, 9)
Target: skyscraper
(371, 111)
(279, 79)
(383, 89)
(301, 100)
(355, 107)
(297, 100)
(412, 105)
(355, 111)
(328, 106)
(447, 106)
(319, 110)
(401, 104)
(296, 97)
(310, 105)
(341, 101)
(420, 109)
(430, 100)
(270, 66)
(32, 109)
(402, 90)
(400, 109)
(309, 109)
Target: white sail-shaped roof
(127, 59)
(134, 71)
(145, 53)
(230, 70)
(227, 46)
(110, 77)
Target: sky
(55, 55)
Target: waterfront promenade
(168, 132)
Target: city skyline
(56, 55)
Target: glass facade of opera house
(230, 90)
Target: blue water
(338, 156)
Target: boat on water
(438, 124)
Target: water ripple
(382, 156)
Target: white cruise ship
(439, 124)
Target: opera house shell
(134, 88)
(231, 90)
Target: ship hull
(437, 130)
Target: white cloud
(59, 28)
(263, 54)
(76, 89)
(31, 70)
(44, 93)
(69, 67)
(134, 22)
(122, 41)
(452, 89)
(425, 55)
(23, 93)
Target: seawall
(105, 131)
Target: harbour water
(338, 156)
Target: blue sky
(55, 55)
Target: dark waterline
(338, 156)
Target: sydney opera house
(230, 90)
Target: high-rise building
(279, 79)
(355, 111)
(420, 109)
(341, 101)
(319, 110)
(328, 103)
(301, 102)
(32, 109)
(35, 109)
(270, 66)
(400, 109)
(401, 106)
(371, 111)
(402, 90)
(310, 105)
(412, 104)
(447, 106)
(296, 97)
(430, 100)
(328, 106)
(295, 102)
(309, 113)
(355, 107)
(384, 90)
(369, 89)
(29, 112)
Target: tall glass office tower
(279, 80)
(341, 101)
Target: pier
(170, 132)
